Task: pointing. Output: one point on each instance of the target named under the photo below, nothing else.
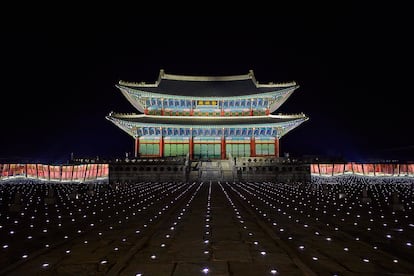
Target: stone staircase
(214, 170)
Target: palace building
(206, 117)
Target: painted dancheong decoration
(206, 116)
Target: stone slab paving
(213, 228)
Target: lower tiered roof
(270, 125)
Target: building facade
(206, 117)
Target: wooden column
(136, 151)
(252, 146)
(276, 147)
(223, 147)
(161, 146)
(191, 146)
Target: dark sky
(353, 65)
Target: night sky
(354, 68)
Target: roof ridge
(166, 76)
(204, 78)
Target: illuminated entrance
(207, 147)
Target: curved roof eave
(203, 122)
(273, 107)
(130, 127)
(269, 94)
(131, 100)
(124, 127)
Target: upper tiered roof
(207, 86)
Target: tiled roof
(205, 121)
(207, 86)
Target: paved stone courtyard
(331, 226)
